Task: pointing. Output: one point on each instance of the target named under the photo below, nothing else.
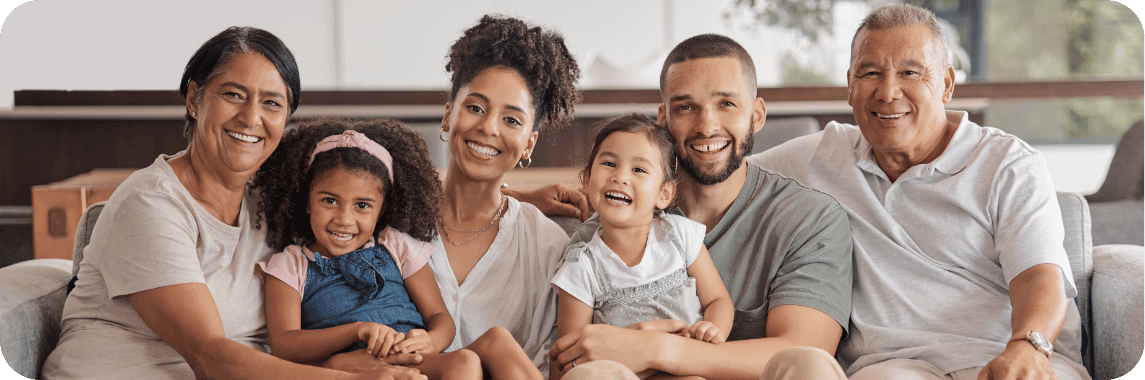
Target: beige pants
(908, 369)
(790, 364)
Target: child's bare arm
(573, 314)
(439, 326)
(714, 299)
(284, 327)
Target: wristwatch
(1040, 343)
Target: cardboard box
(57, 208)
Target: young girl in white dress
(642, 263)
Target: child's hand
(705, 331)
(416, 341)
(379, 338)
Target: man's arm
(787, 326)
(1039, 304)
(554, 200)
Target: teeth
(618, 197)
(483, 150)
(889, 116)
(710, 147)
(242, 137)
(341, 236)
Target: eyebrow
(486, 100)
(910, 64)
(267, 93)
(607, 154)
(359, 199)
(717, 94)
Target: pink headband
(355, 139)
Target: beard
(712, 175)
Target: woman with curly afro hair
(495, 256)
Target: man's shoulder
(777, 188)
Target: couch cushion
(1119, 222)
(30, 309)
(1117, 309)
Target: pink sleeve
(289, 266)
(410, 254)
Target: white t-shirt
(661, 258)
(509, 286)
(152, 233)
(936, 249)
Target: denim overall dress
(360, 286)
(670, 297)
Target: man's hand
(1018, 361)
(671, 326)
(632, 347)
(555, 200)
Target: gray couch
(1109, 280)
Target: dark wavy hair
(211, 58)
(282, 185)
(539, 56)
(635, 123)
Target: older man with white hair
(959, 267)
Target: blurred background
(92, 84)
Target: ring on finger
(574, 363)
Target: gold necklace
(500, 211)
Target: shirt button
(454, 298)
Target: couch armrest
(32, 297)
(1116, 307)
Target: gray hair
(903, 15)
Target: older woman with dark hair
(168, 279)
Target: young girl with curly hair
(496, 255)
(352, 205)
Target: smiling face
(898, 86)
(712, 113)
(239, 114)
(626, 182)
(490, 124)
(344, 206)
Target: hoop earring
(440, 136)
(527, 161)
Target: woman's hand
(379, 338)
(416, 341)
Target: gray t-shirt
(778, 244)
(152, 233)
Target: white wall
(390, 44)
(347, 44)
(140, 44)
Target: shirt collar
(952, 160)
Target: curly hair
(634, 123)
(282, 185)
(539, 56)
